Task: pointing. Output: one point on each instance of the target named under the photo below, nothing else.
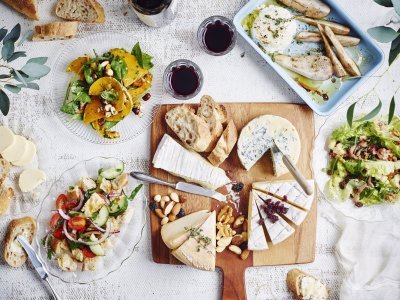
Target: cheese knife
(293, 170)
(37, 263)
(180, 186)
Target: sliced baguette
(55, 31)
(224, 145)
(6, 195)
(214, 116)
(4, 169)
(14, 254)
(28, 8)
(80, 10)
(294, 280)
(192, 130)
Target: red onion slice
(80, 204)
(63, 214)
(97, 226)
(103, 238)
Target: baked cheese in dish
(289, 188)
(257, 137)
(189, 165)
(256, 239)
(274, 28)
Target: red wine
(150, 6)
(218, 37)
(184, 80)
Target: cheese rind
(289, 188)
(191, 166)
(194, 254)
(256, 240)
(174, 234)
(6, 138)
(16, 150)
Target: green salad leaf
(118, 65)
(135, 192)
(143, 58)
(110, 95)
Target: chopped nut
(172, 217)
(231, 220)
(157, 198)
(245, 235)
(164, 221)
(245, 254)
(174, 197)
(162, 203)
(219, 249)
(239, 221)
(222, 212)
(159, 213)
(109, 72)
(245, 225)
(176, 208)
(235, 249)
(225, 241)
(108, 107)
(108, 114)
(237, 240)
(166, 198)
(168, 207)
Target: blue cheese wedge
(256, 139)
(256, 237)
(278, 231)
(196, 252)
(289, 188)
(191, 166)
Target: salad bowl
(123, 242)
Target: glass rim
(167, 77)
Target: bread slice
(224, 145)
(192, 130)
(5, 167)
(6, 195)
(14, 254)
(28, 8)
(214, 115)
(80, 10)
(55, 31)
(294, 281)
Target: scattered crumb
(125, 13)
(242, 55)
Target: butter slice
(6, 138)
(16, 150)
(30, 179)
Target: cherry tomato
(54, 221)
(69, 204)
(88, 253)
(58, 233)
(77, 223)
(60, 202)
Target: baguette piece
(6, 195)
(4, 169)
(14, 254)
(192, 130)
(225, 144)
(28, 8)
(55, 31)
(305, 286)
(80, 10)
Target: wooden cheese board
(299, 248)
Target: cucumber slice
(113, 172)
(119, 206)
(76, 214)
(96, 249)
(102, 217)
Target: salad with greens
(364, 162)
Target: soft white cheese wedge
(191, 166)
(174, 234)
(6, 138)
(289, 188)
(278, 231)
(194, 252)
(30, 179)
(256, 239)
(16, 150)
(28, 155)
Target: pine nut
(235, 249)
(164, 221)
(174, 197)
(157, 198)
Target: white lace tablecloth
(233, 77)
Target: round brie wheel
(16, 150)
(7, 138)
(28, 155)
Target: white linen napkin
(369, 253)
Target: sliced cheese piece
(6, 138)
(256, 237)
(289, 188)
(28, 155)
(174, 234)
(194, 253)
(278, 231)
(256, 139)
(191, 166)
(30, 179)
(16, 150)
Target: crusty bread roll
(192, 130)
(80, 10)
(55, 31)
(224, 145)
(315, 289)
(28, 8)
(14, 254)
(6, 195)
(5, 167)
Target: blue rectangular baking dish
(367, 45)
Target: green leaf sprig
(143, 58)
(11, 79)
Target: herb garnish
(202, 240)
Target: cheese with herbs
(191, 166)
(256, 237)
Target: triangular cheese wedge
(278, 231)
(174, 234)
(194, 253)
(289, 188)
(256, 236)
